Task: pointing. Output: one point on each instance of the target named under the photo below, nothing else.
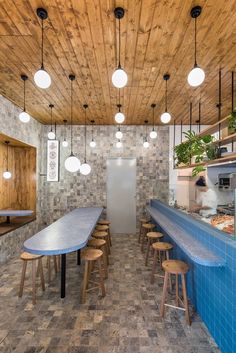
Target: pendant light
(119, 117)
(92, 142)
(7, 174)
(51, 134)
(65, 142)
(41, 77)
(196, 75)
(72, 163)
(119, 144)
(24, 116)
(85, 168)
(153, 133)
(145, 141)
(166, 117)
(119, 134)
(119, 76)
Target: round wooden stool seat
(100, 234)
(161, 246)
(154, 235)
(96, 242)
(104, 222)
(26, 256)
(144, 220)
(102, 227)
(148, 225)
(91, 254)
(105, 236)
(176, 267)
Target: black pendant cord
(232, 91)
(7, 142)
(181, 131)
(166, 98)
(51, 116)
(71, 117)
(219, 105)
(195, 42)
(24, 95)
(119, 46)
(85, 133)
(174, 145)
(199, 117)
(153, 123)
(42, 63)
(190, 116)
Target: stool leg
(55, 263)
(85, 283)
(148, 248)
(22, 278)
(107, 252)
(164, 294)
(59, 262)
(34, 280)
(109, 234)
(170, 282)
(40, 267)
(49, 268)
(140, 233)
(104, 261)
(185, 299)
(176, 290)
(108, 245)
(154, 266)
(143, 240)
(101, 278)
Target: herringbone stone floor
(127, 320)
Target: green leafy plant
(232, 122)
(198, 169)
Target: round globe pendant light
(51, 134)
(119, 134)
(6, 173)
(24, 116)
(145, 140)
(166, 117)
(85, 168)
(119, 76)
(41, 78)
(153, 133)
(119, 117)
(65, 142)
(72, 163)
(119, 144)
(196, 76)
(92, 142)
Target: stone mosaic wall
(75, 190)
(11, 243)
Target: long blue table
(69, 233)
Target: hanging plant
(232, 122)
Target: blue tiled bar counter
(211, 281)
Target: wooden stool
(102, 235)
(104, 228)
(147, 227)
(90, 256)
(54, 258)
(151, 237)
(105, 222)
(142, 221)
(175, 267)
(25, 256)
(100, 244)
(159, 248)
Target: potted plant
(232, 122)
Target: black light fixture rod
(71, 78)
(42, 45)
(85, 130)
(65, 122)
(181, 131)
(195, 12)
(146, 122)
(153, 105)
(51, 106)
(232, 90)
(174, 145)
(119, 47)
(190, 116)
(92, 121)
(199, 117)
(7, 143)
(220, 103)
(119, 14)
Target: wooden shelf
(215, 127)
(226, 140)
(231, 157)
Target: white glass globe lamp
(72, 163)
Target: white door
(121, 195)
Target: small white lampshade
(65, 143)
(24, 117)
(146, 144)
(7, 175)
(72, 164)
(42, 79)
(51, 135)
(165, 118)
(119, 118)
(119, 78)
(119, 144)
(85, 169)
(196, 77)
(92, 144)
(119, 134)
(153, 134)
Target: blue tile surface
(212, 290)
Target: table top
(67, 234)
(192, 247)
(16, 213)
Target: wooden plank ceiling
(81, 38)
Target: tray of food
(224, 223)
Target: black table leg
(8, 219)
(78, 257)
(63, 275)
